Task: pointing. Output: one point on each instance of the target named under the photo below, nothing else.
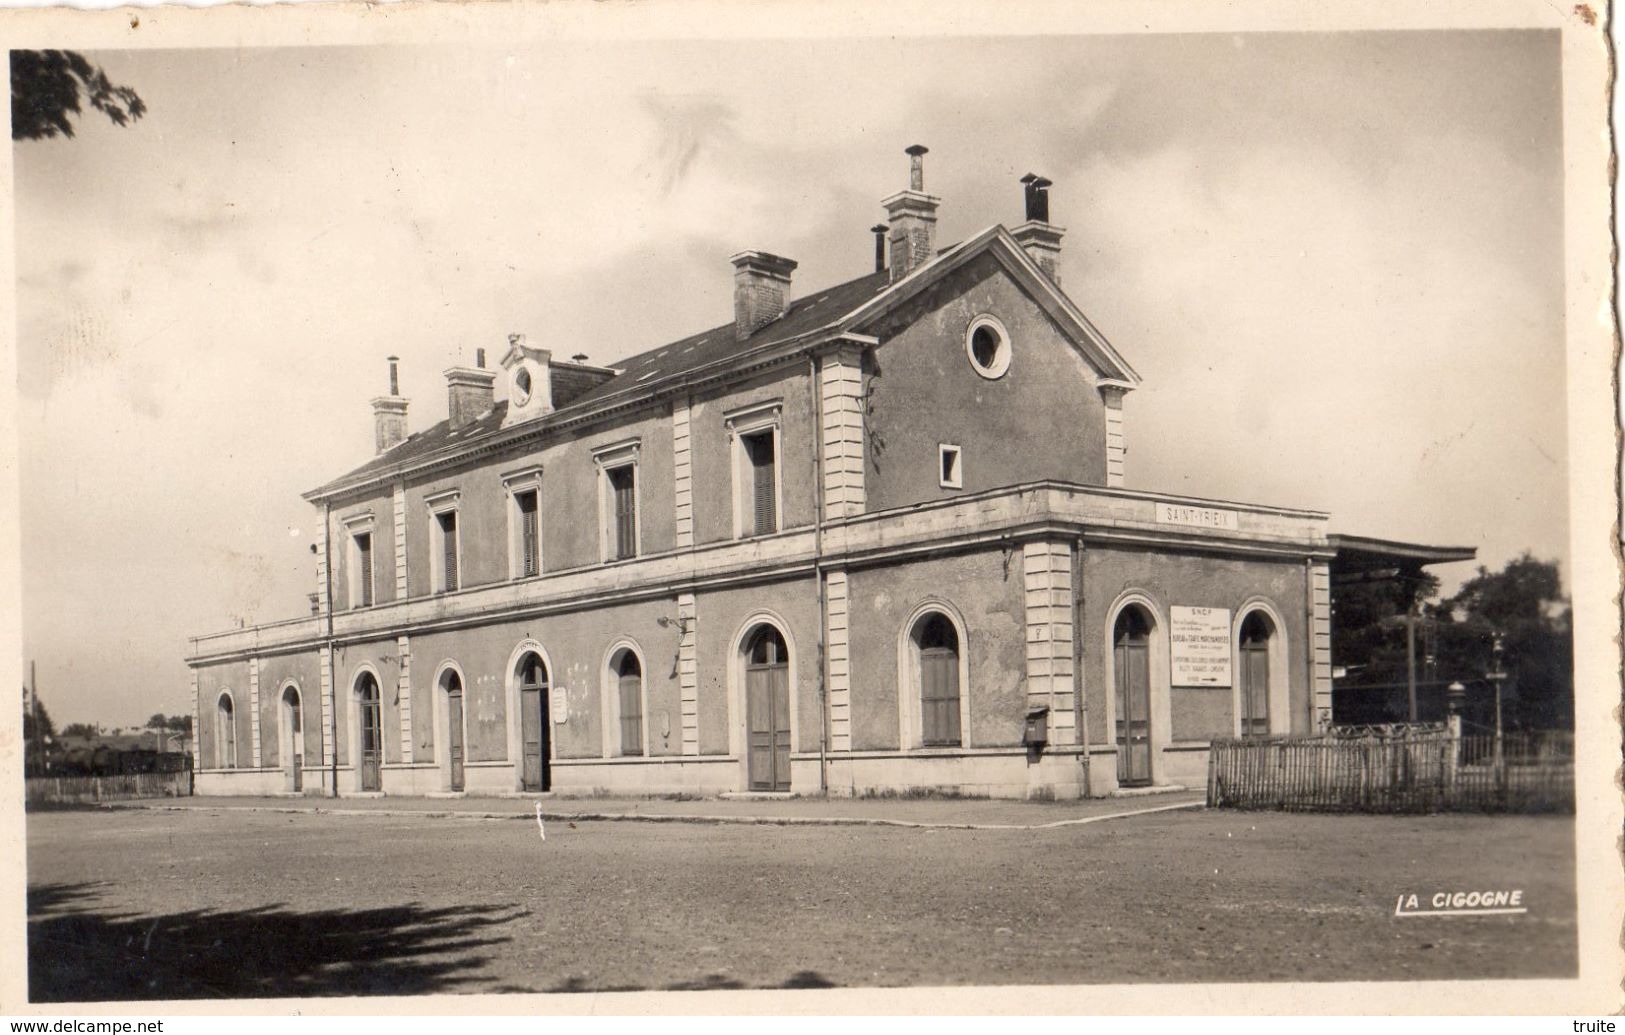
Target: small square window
(950, 467)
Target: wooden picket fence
(1395, 770)
(88, 790)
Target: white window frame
(440, 504)
(1001, 364)
(357, 525)
(609, 458)
(610, 695)
(910, 692)
(516, 483)
(753, 420)
(944, 450)
(225, 731)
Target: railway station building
(867, 538)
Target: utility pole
(1410, 646)
(1497, 675)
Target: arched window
(629, 688)
(1256, 631)
(225, 733)
(292, 738)
(937, 645)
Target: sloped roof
(820, 314)
(643, 371)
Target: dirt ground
(201, 904)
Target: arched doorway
(1131, 658)
(534, 772)
(370, 733)
(293, 741)
(937, 647)
(1256, 630)
(767, 709)
(451, 684)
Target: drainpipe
(1078, 685)
(818, 573)
(332, 682)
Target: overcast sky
(1335, 259)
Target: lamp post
(1496, 675)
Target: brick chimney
(912, 215)
(761, 290)
(1038, 236)
(470, 393)
(389, 413)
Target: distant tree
(88, 730)
(159, 721)
(36, 720)
(1523, 605)
(1455, 636)
(180, 723)
(46, 86)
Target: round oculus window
(521, 386)
(988, 346)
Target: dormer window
(522, 386)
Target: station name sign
(1199, 646)
(1196, 517)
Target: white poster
(1199, 645)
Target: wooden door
(294, 763)
(1132, 655)
(767, 708)
(1255, 678)
(454, 735)
(534, 732)
(372, 739)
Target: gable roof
(820, 316)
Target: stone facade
(876, 622)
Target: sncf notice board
(1199, 646)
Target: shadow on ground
(79, 953)
(708, 983)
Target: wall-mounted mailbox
(1037, 732)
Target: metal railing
(1428, 770)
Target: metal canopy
(1363, 559)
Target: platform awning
(1362, 559)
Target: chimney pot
(761, 290)
(389, 413)
(879, 230)
(1040, 238)
(479, 358)
(912, 218)
(916, 165)
(580, 357)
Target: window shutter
(939, 704)
(626, 541)
(528, 529)
(448, 528)
(760, 449)
(364, 549)
(631, 715)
